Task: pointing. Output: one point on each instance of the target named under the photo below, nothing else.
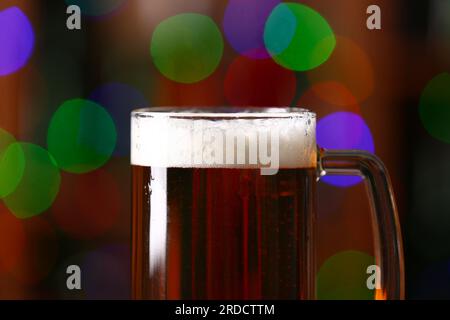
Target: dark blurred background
(386, 91)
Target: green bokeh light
(5, 139)
(434, 107)
(39, 184)
(187, 48)
(12, 164)
(298, 37)
(344, 277)
(81, 136)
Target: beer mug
(224, 204)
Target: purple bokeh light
(344, 130)
(119, 100)
(244, 23)
(16, 40)
(107, 272)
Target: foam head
(223, 138)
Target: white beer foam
(175, 140)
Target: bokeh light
(106, 272)
(81, 136)
(328, 97)
(88, 205)
(434, 107)
(39, 254)
(16, 40)
(39, 184)
(208, 92)
(335, 93)
(350, 66)
(251, 82)
(6, 139)
(12, 239)
(119, 100)
(344, 277)
(12, 163)
(243, 25)
(344, 131)
(187, 47)
(97, 7)
(298, 37)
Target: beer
(212, 230)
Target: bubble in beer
(187, 48)
(298, 37)
(81, 136)
(434, 109)
(39, 184)
(259, 83)
(344, 131)
(12, 163)
(344, 277)
(97, 7)
(243, 25)
(119, 100)
(350, 66)
(16, 40)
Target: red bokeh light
(251, 82)
(207, 92)
(12, 239)
(40, 252)
(88, 205)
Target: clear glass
(211, 230)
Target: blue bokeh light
(16, 40)
(344, 131)
(244, 23)
(119, 100)
(107, 272)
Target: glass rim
(231, 112)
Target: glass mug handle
(386, 226)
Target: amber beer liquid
(208, 228)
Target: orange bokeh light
(350, 66)
(328, 97)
